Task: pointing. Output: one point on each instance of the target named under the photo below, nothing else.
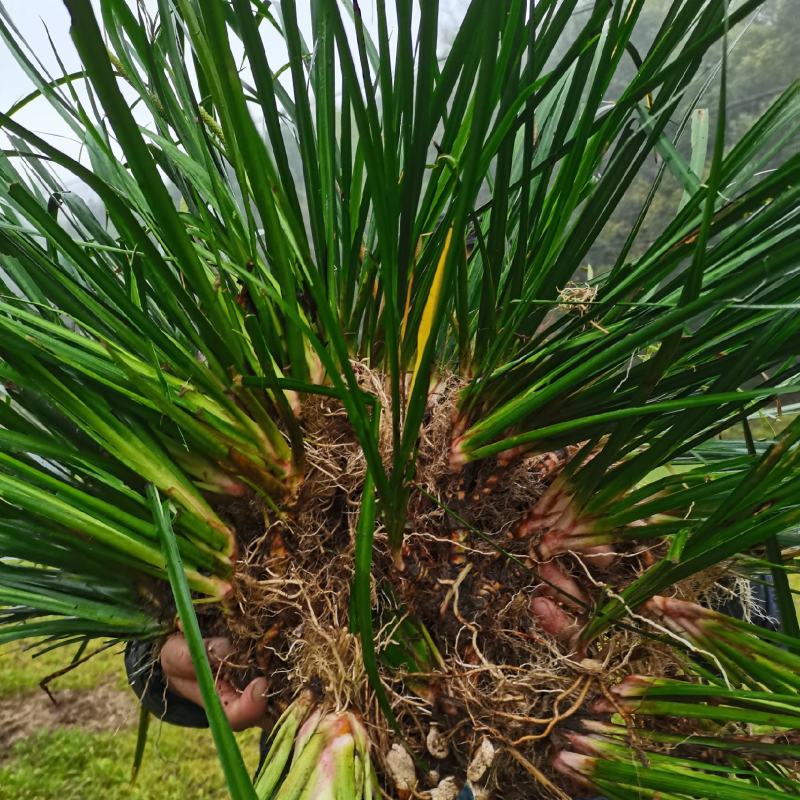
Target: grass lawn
(85, 748)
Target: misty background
(764, 58)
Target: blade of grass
(239, 784)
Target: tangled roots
(502, 665)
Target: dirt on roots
(496, 675)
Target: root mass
(501, 664)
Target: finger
(218, 648)
(600, 556)
(553, 619)
(560, 585)
(248, 708)
(176, 660)
(188, 688)
(243, 709)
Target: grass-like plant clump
(329, 374)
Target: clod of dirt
(446, 790)
(103, 708)
(481, 761)
(400, 766)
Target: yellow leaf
(424, 331)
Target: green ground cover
(93, 757)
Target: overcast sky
(36, 19)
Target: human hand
(244, 709)
(560, 603)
